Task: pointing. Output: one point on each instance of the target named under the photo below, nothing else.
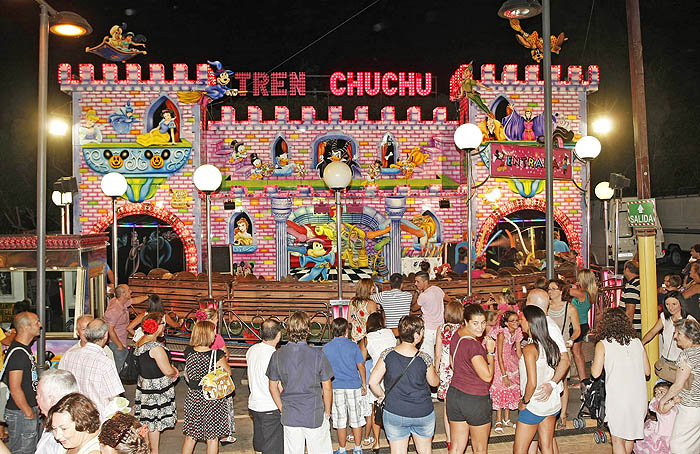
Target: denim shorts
(400, 427)
(531, 419)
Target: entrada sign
(519, 161)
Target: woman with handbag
(468, 400)
(205, 419)
(685, 437)
(673, 311)
(154, 403)
(406, 408)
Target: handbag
(379, 406)
(666, 370)
(129, 374)
(217, 383)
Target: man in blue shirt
(560, 247)
(349, 384)
(300, 384)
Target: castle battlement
(335, 116)
(532, 82)
(86, 81)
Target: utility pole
(646, 237)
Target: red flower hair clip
(150, 326)
(200, 315)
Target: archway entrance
(531, 209)
(156, 225)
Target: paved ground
(570, 440)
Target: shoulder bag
(379, 406)
(217, 384)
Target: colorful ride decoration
(119, 45)
(403, 169)
(182, 231)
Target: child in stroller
(593, 406)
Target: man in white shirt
(80, 326)
(96, 374)
(268, 434)
(53, 385)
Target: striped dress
(154, 404)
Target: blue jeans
(119, 355)
(24, 432)
(401, 427)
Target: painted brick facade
(423, 191)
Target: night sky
(389, 35)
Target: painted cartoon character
(492, 129)
(415, 158)
(374, 171)
(239, 151)
(300, 169)
(427, 224)
(316, 253)
(498, 155)
(523, 127)
(163, 134)
(533, 41)
(388, 151)
(468, 88)
(205, 92)
(337, 150)
(90, 133)
(257, 172)
(132, 40)
(122, 119)
(241, 235)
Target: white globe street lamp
(467, 138)
(587, 149)
(604, 192)
(338, 175)
(207, 179)
(114, 185)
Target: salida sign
(341, 83)
(641, 213)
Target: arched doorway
(569, 229)
(160, 216)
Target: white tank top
(544, 374)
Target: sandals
(561, 424)
(350, 438)
(498, 427)
(508, 423)
(368, 441)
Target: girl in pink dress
(657, 434)
(505, 388)
(454, 315)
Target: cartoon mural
(273, 165)
(467, 88)
(90, 133)
(122, 119)
(533, 41)
(118, 45)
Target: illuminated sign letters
(390, 84)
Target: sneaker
(357, 450)
(338, 451)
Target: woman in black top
(408, 407)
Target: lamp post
(467, 138)
(114, 185)
(62, 196)
(605, 193)
(587, 149)
(207, 179)
(337, 175)
(66, 24)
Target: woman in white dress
(619, 352)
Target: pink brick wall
(433, 137)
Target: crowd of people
(384, 368)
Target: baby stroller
(593, 406)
